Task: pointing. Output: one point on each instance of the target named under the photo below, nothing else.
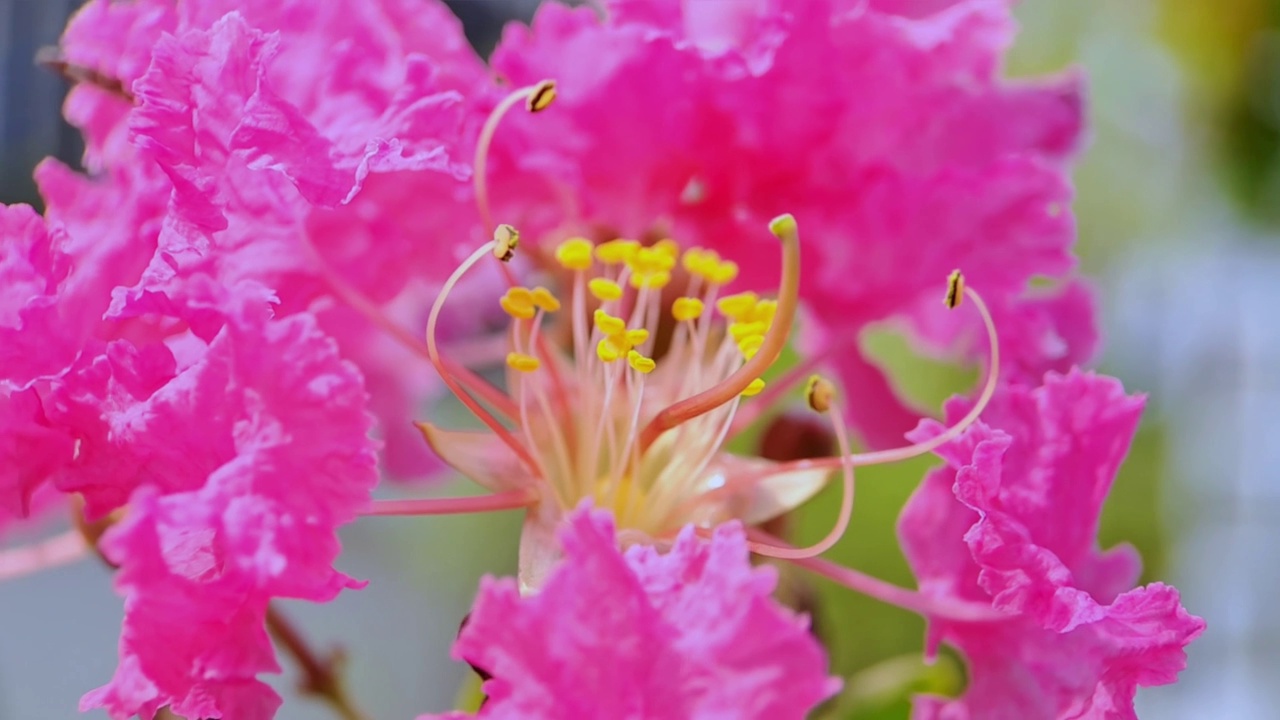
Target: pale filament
(509, 500)
(960, 610)
(481, 166)
(549, 418)
(842, 520)
(446, 374)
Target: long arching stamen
(784, 227)
(539, 96)
(960, 610)
(482, 388)
(820, 393)
(509, 500)
(880, 457)
(56, 551)
(450, 381)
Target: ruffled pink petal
(31, 451)
(114, 40)
(689, 633)
(241, 467)
(269, 135)
(39, 333)
(1012, 520)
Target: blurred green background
(1178, 212)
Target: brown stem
(93, 531)
(322, 675)
(52, 58)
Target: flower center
(607, 422)
(608, 419)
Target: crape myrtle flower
(269, 177)
(692, 633)
(195, 425)
(1012, 520)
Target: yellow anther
(762, 312)
(820, 393)
(640, 363)
(544, 93)
(608, 324)
(505, 240)
(544, 300)
(737, 306)
(784, 226)
(668, 247)
(574, 253)
(522, 362)
(651, 260)
(955, 289)
(615, 252)
(518, 302)
(608, 351)
(754, 388)
(604, 290)
(695, 259)
(652, 280)
(750, 345)
(721, 273)
(739, 331)
(686, 308)
(636, 336)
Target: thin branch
(322, 675)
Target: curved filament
(447, 376)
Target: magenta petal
(31, 451)
(245, 464)
(689, 633)
(1012, 520)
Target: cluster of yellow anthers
(646, 269)
(599, 418)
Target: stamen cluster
(581, 416)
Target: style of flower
(692, 633)
(1012, 520)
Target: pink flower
(237, 441)
(692, 633)
(237, 468)
(318, 150)
(1012, 520)
(883, 127)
